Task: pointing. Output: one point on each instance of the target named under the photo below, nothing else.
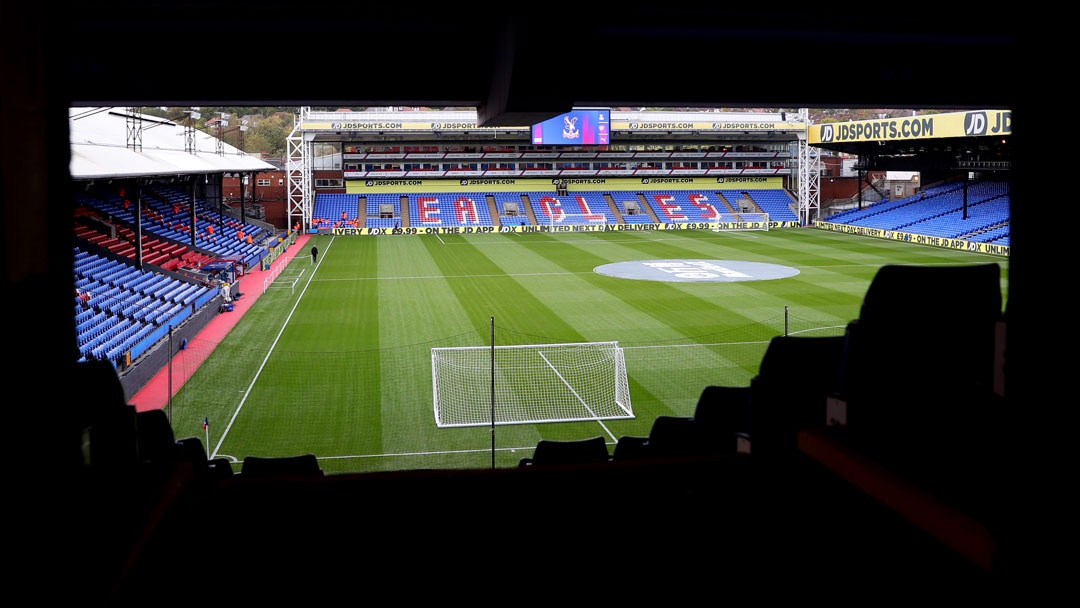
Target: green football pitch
(335, 358)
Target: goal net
(533, 383)
(575, 219)
(741, 221)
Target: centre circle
(696, 271)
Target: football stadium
(664, 284)
(501, 323)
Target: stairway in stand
(648, 208)
(529, 210)
(614, 209)
(494, 211)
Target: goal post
(741, 221)
(576, 219)
(534, 383)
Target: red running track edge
(155, 395)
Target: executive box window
(329, 183)
(327, 156)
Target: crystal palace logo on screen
(569, 129)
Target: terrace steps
(529, 210)
(614, 209)
(647, 207)
(493, 211)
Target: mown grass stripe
(371, 397)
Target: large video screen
(574, 128)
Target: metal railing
(235, 214)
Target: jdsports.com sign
(981, 123)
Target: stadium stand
(168, 217)
(121, 440)
(501, 198)
(161, 252)
(547, 205)
(671, 437)
(938, 211)
(448, 210)
(920, 411)
(328, 209)
(787, 395)
(982, 215)
(294, 466)
(891, 308)
(681, 206)
(206, 472)
(665, 524)
(561, 453)
(851, 216)
(590, 203)
(375, 217)
(621, 198)
(442, 209)
(121, 312)
(776, 203)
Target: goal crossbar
(534, 383)
(575, 219)
(740, 221)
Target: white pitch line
(604, 426)
(436, 453)
(887, 264)
(644, 237)
(270, 352)
(792, 333)
(440, 238)
(443, 452)
(458, 276)
(803, 331)
(562, 241)
(686, 345)
(546, 274)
